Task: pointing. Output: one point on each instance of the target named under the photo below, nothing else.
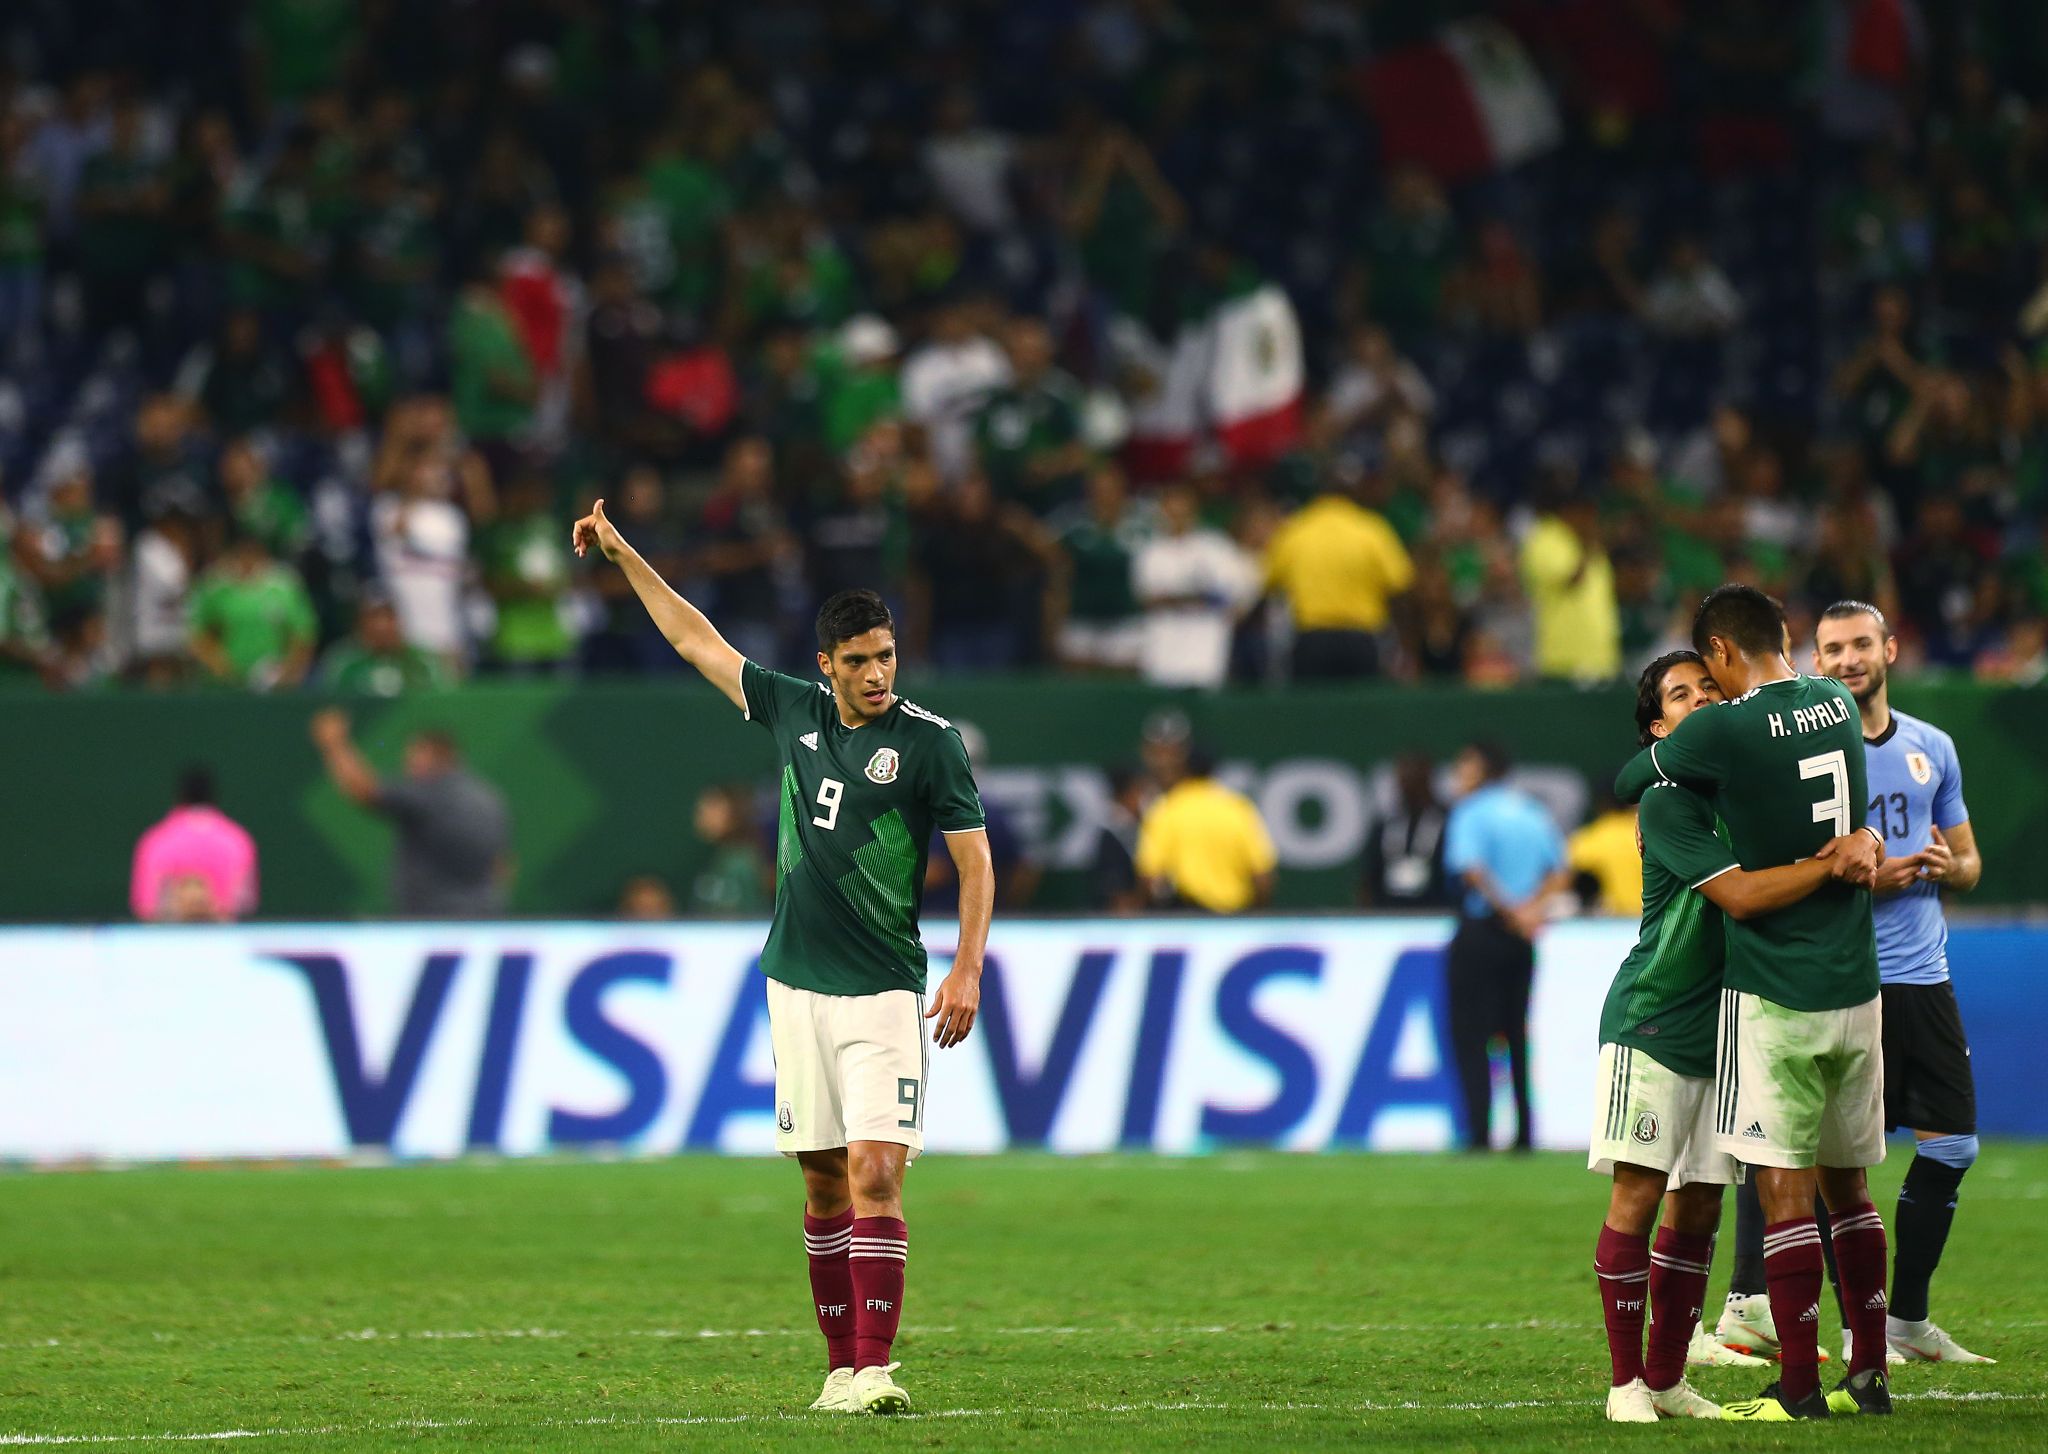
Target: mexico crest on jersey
(1918, 765)
(882, 766)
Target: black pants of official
(1335, 655)
(1489, 971)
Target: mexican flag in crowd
(1233, 373)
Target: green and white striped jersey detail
(858, 806)
(1663, 996)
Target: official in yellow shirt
(1339, 566)
(1202, 844)
(1607, 849)
(1570, 582)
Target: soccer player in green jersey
(866, 776)
(1653, 1118)
(1798, 1079)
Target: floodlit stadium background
(397, 289)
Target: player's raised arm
(687, 629)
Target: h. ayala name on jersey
(1120, 1017)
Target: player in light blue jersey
(1916, 801)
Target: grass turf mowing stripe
(1362, 1406)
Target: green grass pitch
(1229, 1302)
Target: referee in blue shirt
(1503, 849)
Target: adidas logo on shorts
(1756, 1129)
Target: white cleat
(1923, 1342)
(875, 1392)
(1746, 1326)
(1705, 1352)
(1629, 1403)
(1891, 1354)
(837, 1397)
(1682, 1401)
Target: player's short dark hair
(1650, 692)
(1493, 758)
(195, 786)
(1843, 610)
(1744, 616)
(850, 614)
(440, 739)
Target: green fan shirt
(1665, 997)
(1783, 766)
(858, 805)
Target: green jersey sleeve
(1694, 756)
(1678, 832)
(949, 787)
(771, 696)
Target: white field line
(1047, 1330)
(1367, 1406)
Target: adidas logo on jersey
(1756, 1129)
(810, 740)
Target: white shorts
(1646, 1114)
(1797, 1088)
(847, 1068)
(1113, 644)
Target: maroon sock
(880, 1248)
(1622, 1264)
(1678, 1288)
(1859, 1260)
(1792, 1277)
(826, 1239)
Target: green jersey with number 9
(858, 805)
(1783, 765)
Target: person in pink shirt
(195, 866)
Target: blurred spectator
(946, 379)
(1114, 886)
(71, 557)
(526, 564)
(980, 573)
(1101, 630)
(546, 305)
(196, 864)
(25, 653)
(252, 621)
(122, 238)
(1571, 586)
(1439, 629)
(628, 639)
(1878, 380)
(857, 387)
(1689, 297)
(1507, 858)
(376, 660)
(736, 877)
(1028, 433)
(1340, 567)
(1374, 383)
(1411, 248)
(1937, 582)
(749, 551)
(166, 558)
(1193, 583)
(1404, 848)
(261, 505)
(495, 383)
(1604, 853)
(22, 247)
(453, 858)
(1498, 291)
(969, 164)
(237, 377)
(1202, 845)
(647, 899)
(421, 538)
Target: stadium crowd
(318, 316)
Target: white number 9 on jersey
(1833, 809)
(831, 790)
